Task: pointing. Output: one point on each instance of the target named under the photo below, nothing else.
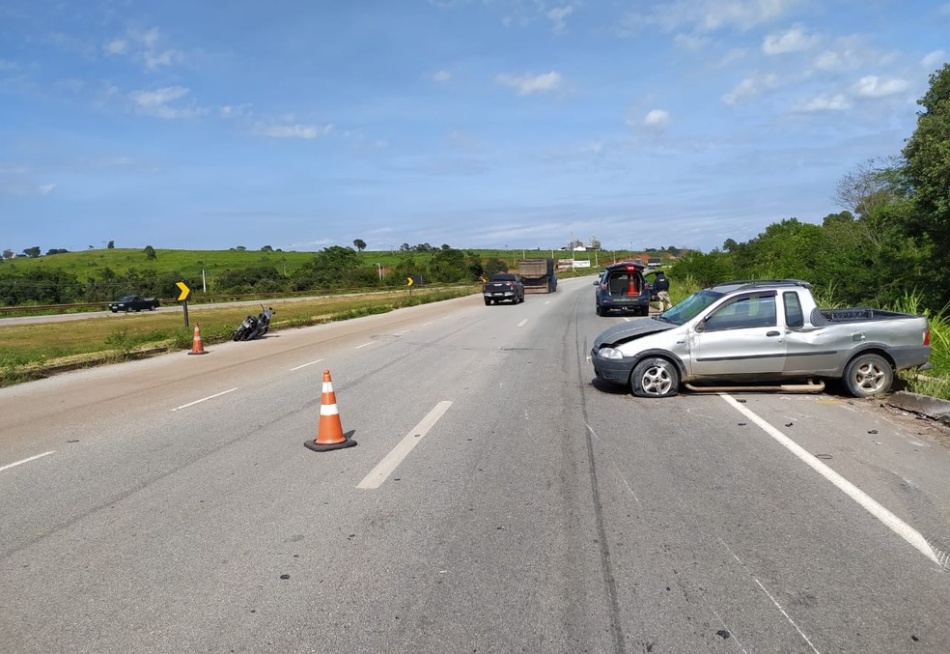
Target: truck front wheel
(655, 377)
(868, 375)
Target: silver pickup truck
(758, 332)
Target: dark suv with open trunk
(621, 287)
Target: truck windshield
(686, 310)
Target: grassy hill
(88, 264)
(91, 263)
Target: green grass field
(193, 263)
(34, 351)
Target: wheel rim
(870, 377)
(656, 380)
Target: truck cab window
(793, 310)
(744, 313)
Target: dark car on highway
(503, 287)
(134, 303)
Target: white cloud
(117, 47)
(933, 59)
(296, 131)
(872, 86)
(46, 189)
(750, 87)
(836, 102)
(847, 53)
(557, 16)
(793, 40)
(158, 97)
(442, 76)
(145, 47)
(731, 57)
(594, 147)
(158, 103)
(526, 84)
(155, 60)
(656, 119)
(234, 111)
(711, 15)
(691, 42)
(830, 60)
(150, 38)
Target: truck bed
(541, 285)
(537, 275)
(858, 314)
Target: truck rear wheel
(867, 375)
(487, 301)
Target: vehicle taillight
(927, 336)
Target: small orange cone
(197, 347)
(330, 432)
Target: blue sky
(473, 123)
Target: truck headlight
(609, 353)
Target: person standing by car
(661, 284)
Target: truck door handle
(772, 333)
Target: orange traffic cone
(197, 347)
(330, 432)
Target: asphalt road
(497, 501)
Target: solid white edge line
(21, 462)
(895, 524)
(523, 323)
(306, 364)
(204, 399)
(363, 345)
(384, 468)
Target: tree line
(891, 241)
(333, 268)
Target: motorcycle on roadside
(254, 327)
